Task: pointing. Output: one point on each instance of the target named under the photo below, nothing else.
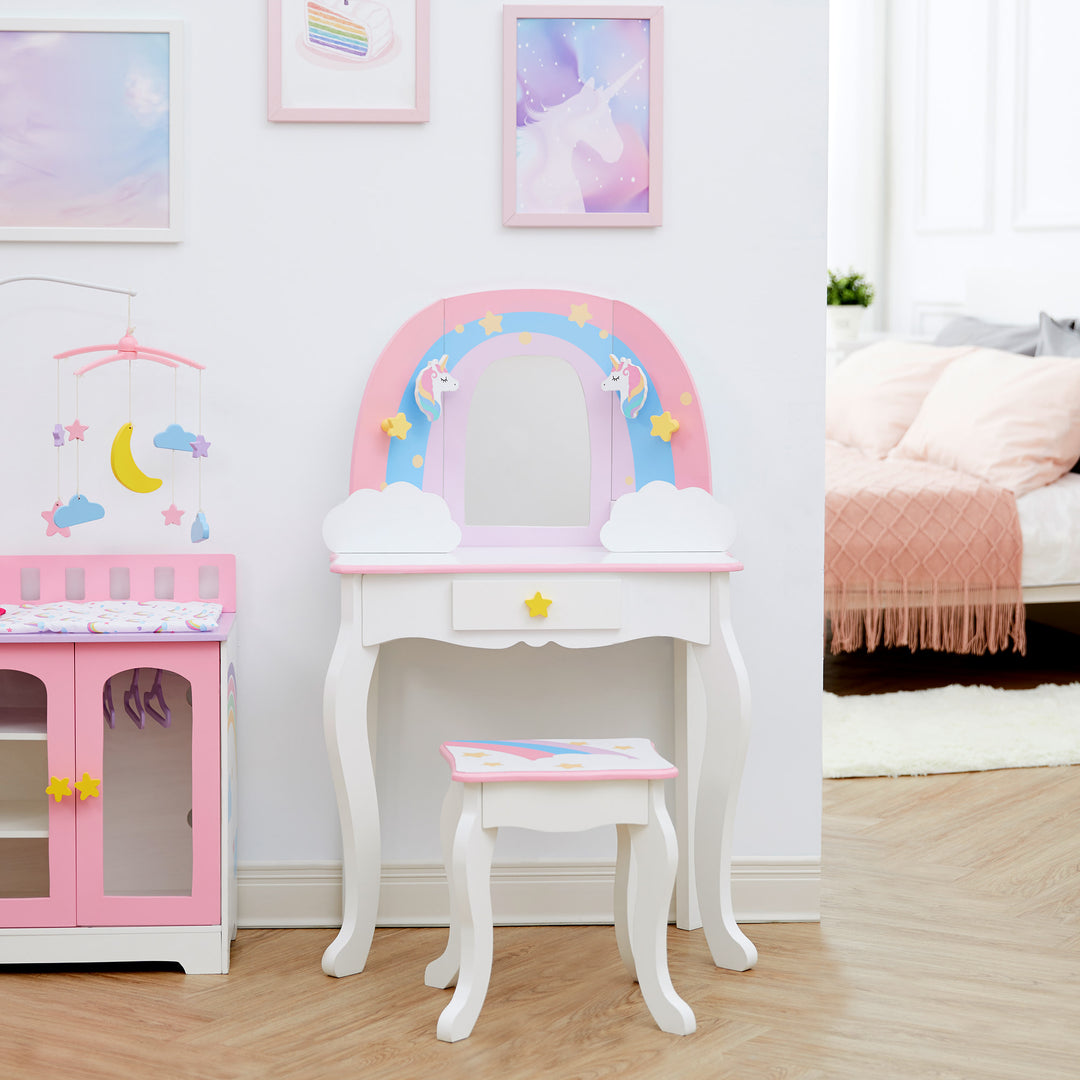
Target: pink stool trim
(555, 760)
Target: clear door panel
(24, 775)
(146, 789)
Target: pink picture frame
(332, 61)
(582, 115)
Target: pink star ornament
(172, 515)
(51, 528)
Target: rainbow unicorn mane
(432, 382)
(629, 380)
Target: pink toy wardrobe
(117, 761)
(532, 466)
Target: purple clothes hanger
(107, 707)
(132, 694)
(164, 716)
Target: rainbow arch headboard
(476, 329)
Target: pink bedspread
(919, 555)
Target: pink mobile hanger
(127, 348)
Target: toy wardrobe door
(148, 850)
(37, 757)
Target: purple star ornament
(199, 447)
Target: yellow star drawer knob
(87, 787)
(538, 606)
(396, 426)
(58, 787)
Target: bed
(952, 475)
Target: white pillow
(1011, 420)
(872, 396)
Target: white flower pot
(842, 323)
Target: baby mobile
(80, 509)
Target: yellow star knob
(665, 425)
(87, 788)
(58, 787)
(492, 324)
(567, 765)
(396, 426)
(476, 753)
(538, 606)
(579, 313)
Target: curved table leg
(346, 727)
(443, 972)
(654, 849)
(727, 736)
(473, 846)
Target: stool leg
(471, 858)
(655, 857)
(623, 914)
(443, 972)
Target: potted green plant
(847, 296)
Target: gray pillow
(968, 330)
(1057, 337)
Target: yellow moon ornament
(123, 464)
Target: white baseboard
(764, 889)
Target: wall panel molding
(1046, 193)
(956, 62)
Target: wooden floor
(949, 947)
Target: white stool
(525, 783)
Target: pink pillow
(873, 396)
(1012, 420)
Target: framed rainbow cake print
(348, 60)
(582, 114)
(95, 115)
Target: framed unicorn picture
(348, 60)
(582, 115)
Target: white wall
(984, 101)
(307, 245)
(857, 135)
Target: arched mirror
(527, 450)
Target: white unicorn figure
(432, 382)
(546, 182)
(628, 380)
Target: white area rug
(950, 729)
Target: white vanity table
(493, 597)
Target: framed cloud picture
(91, 129)
(348, 60)
(582, 114)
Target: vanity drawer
(500, 603)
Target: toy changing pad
(109, 617)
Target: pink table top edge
(466, 560)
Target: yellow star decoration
(624, 748)
(567, 765)
(538, 606)
(58, 787)
(396, 426)
(579, 313)
(87, 787)
(665, 425)
(492, 324)
(493, 764)
(578, 742)
(475, 753)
